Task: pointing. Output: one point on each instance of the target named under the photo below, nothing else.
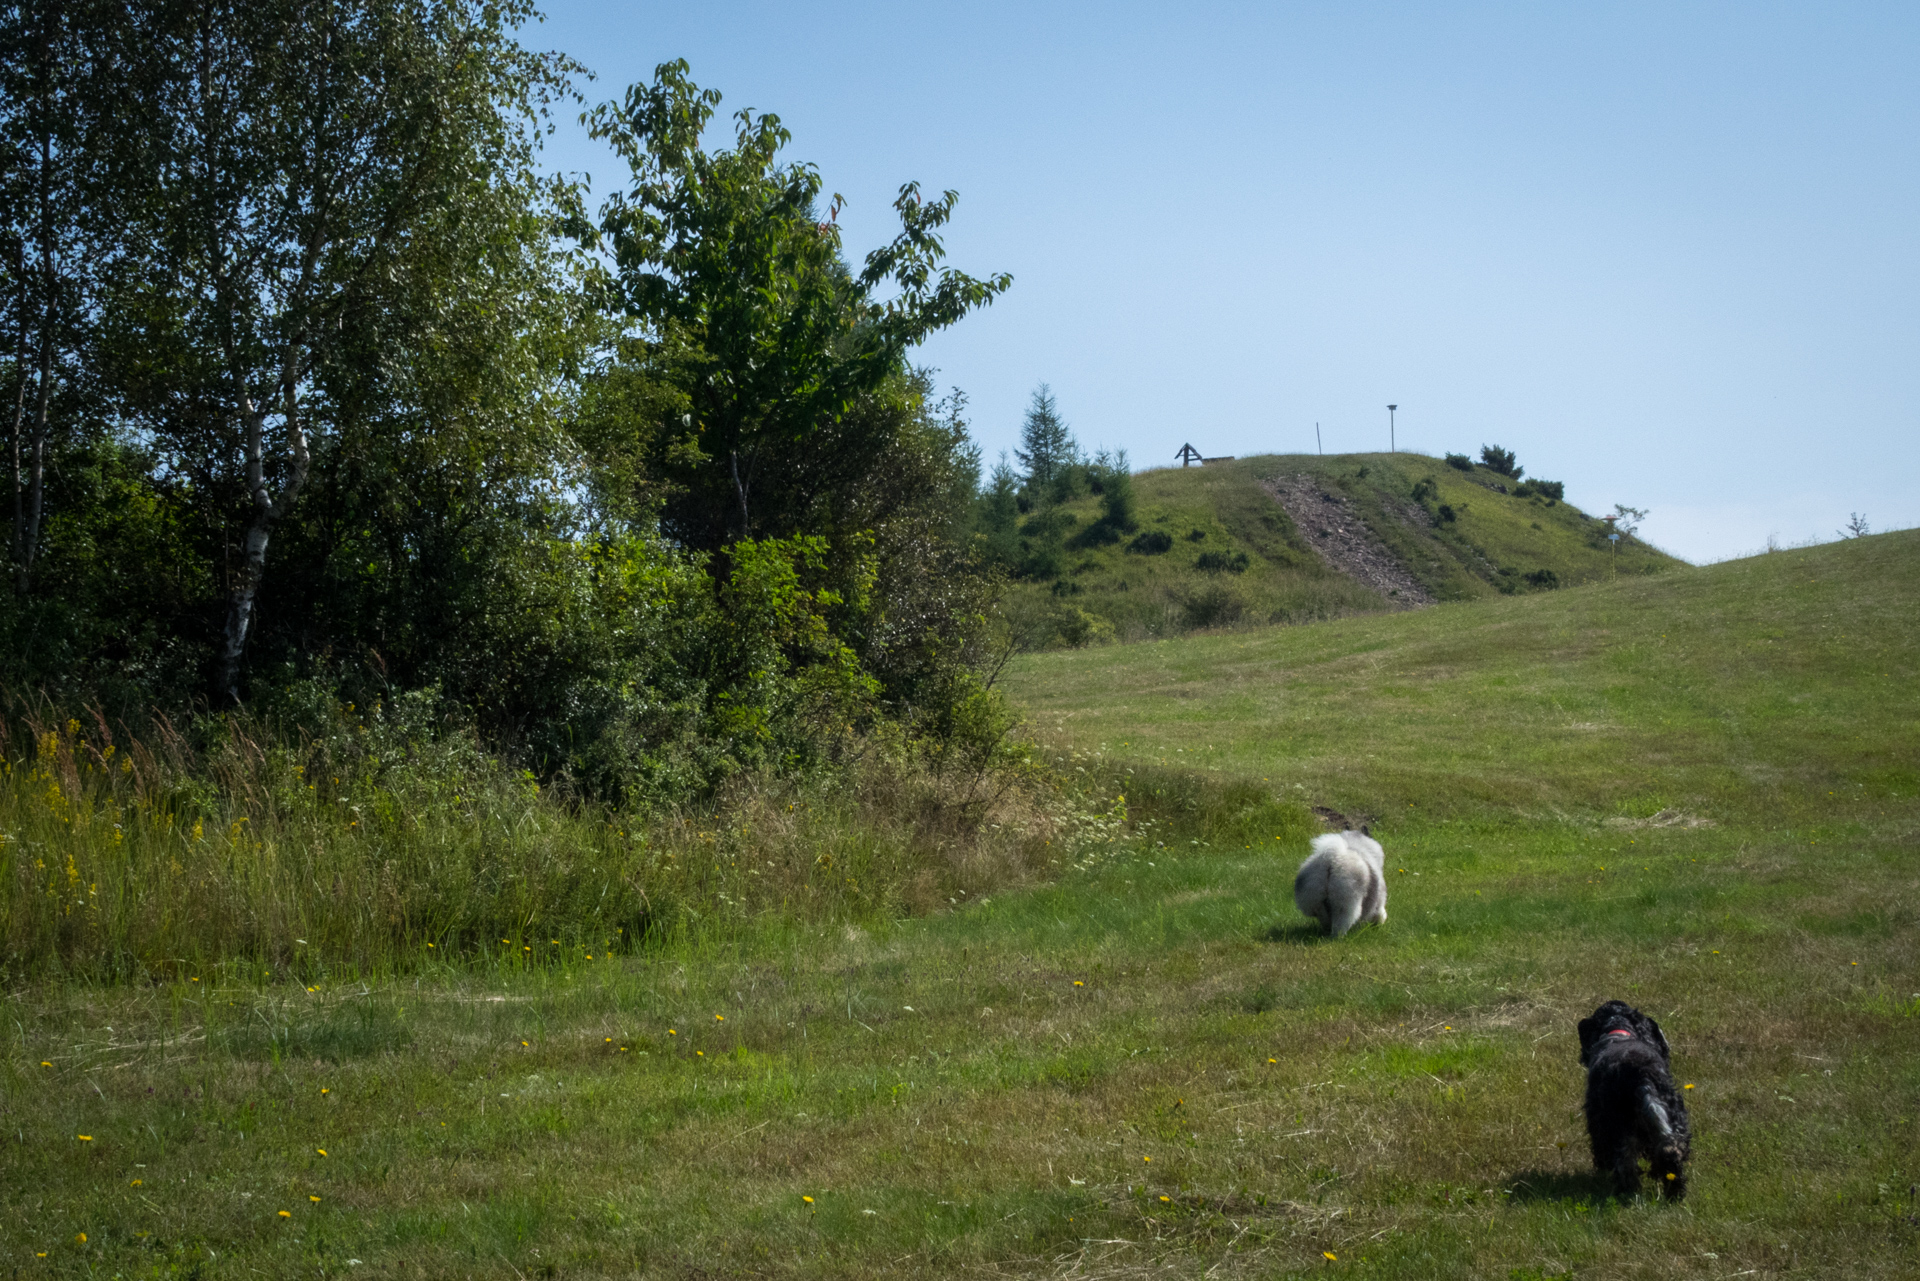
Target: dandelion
(523, 1045)
(80, 1238)
(286, 1214)
(321, 1151)
(1330, 1256)
(807, 1199)
(1671, 1176)
(1687, 1086)
(1078, 983)
(134, 1184)
(429, 945)
(1147, 1159)
(84, 1138)
(46, 1063)
(1273, 1060)
(609, 1040)
(719, 1018)
(699, 1054)
(1167, 1199)
(325, 1090)
(314, 1199)
(673, 1032)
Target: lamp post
(1393, 446)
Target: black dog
(1633, 1109)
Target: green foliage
(728, 282)
(332, 403)
(1459, 462)
(1047, 448)
(1500, 461)
(1222, 562)
(1154, 542)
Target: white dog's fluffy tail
(1343, 882)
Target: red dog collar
(1620, 1031)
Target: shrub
(1152, 543)
(1214, 605)
(1460, 462)
(1544, 580)
(1425, 489)
(1554, 489)
(1197, 536)
(1446, 513)
(1501, 461)
(1222, 562)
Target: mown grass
(1687, 791)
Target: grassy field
(1698, 791)
(1486, 544)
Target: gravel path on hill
(1342, 538)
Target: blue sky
(1664, 252)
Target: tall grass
(381, 843)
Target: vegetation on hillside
(1211, 547)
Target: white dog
(1343, 882)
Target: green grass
(1490, 545)
(1698, 791)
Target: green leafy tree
(730, 280)
(60, 76)
(1501, 461)
(314, 174)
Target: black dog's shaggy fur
(1633, 1109)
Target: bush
(1222, 562)
(1446, 513)
(1460, 462)
(1501, 461)
(1551, 489)
(1214, 605)
(1425, 489)
(1544, 580)
(1154, 542)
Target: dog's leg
(1375, 911)
(1345, 914)
(1669, 1173)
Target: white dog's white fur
(1343, 882)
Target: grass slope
(1486, 545)
(1699, 791)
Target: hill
(1291, 538)
(1699, 791)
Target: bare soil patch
(1343, 540)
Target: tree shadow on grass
(1582, 1187)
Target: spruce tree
(1048, 447)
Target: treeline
(1023, 526)
(320, 391)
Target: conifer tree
(1048, 446)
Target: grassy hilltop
(1699, 791)
(1233, 555)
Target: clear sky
(1665, 252)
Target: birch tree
(303, 156)
(57, 63)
